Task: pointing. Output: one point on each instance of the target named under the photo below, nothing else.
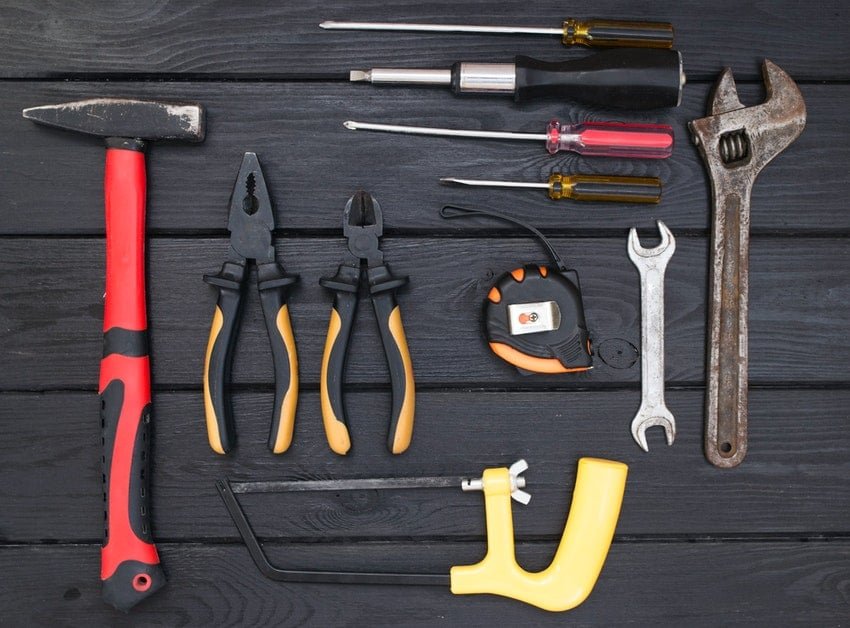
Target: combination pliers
(362, 224)
(251, 223)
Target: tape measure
(534, 314)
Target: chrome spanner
(651, 263)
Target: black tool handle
(274, 286)
(627, 78)
(219, 356)
(344, 286)
(382, 285)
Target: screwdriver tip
(449, 181)
(350, 124)
(326, 24)
(360, 75)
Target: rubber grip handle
(219, 355)
(603, 188)
(398, 360)
(130, 569)
(274, 286)
(618, 33)
(333, 359)
(626, 78)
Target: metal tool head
(125, 118)
(644, 420)
(363, 225)
(738, 138)
(251, 220)
(662, 253)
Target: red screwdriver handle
(611, 139)
(130, 568)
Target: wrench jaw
(663, 252)
(762, 131)
(659, 417)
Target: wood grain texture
(282, 40)
(52, 181)
(50, 316)
(777, 584)
(764, 544)
(794, 482)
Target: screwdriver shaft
(438, 28)
(493, 184)
(421, 130)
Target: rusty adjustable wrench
(736, 142)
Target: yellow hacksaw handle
(570, 578)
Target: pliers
(362, 225)
(251, 223)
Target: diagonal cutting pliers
(362, 224)
(251, 223)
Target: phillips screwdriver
(593, 32)
(597, 139)
(628, 78)
(582, 187)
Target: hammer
(130, 568)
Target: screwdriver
(628, 78)
(582, 187)
(593, 32)
(597, 139)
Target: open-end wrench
(736, 142)
(651, 263)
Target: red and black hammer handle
(130, 568)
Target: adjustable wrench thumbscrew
(651, 263)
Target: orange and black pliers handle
(274, 286)
(382, 287)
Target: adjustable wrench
(736, 142)
(651, 263)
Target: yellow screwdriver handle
(617, 33)
(571, 576)
(604, 188)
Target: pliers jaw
(363, 226)
(251, 220)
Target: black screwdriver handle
(274, 284)
(344, 286)
(219, 355)
(382, 285)
(626, 78)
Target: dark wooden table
(766, 543)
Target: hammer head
(734, 137)
(124, 118)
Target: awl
(626, 78)
(593, 32)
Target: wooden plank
(52, 181)
(282, 40)
(50, 315)
(793, 482)
(704, 584)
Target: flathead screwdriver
(582, 187)
(593, 32)
(598, 139)
(628, 78)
